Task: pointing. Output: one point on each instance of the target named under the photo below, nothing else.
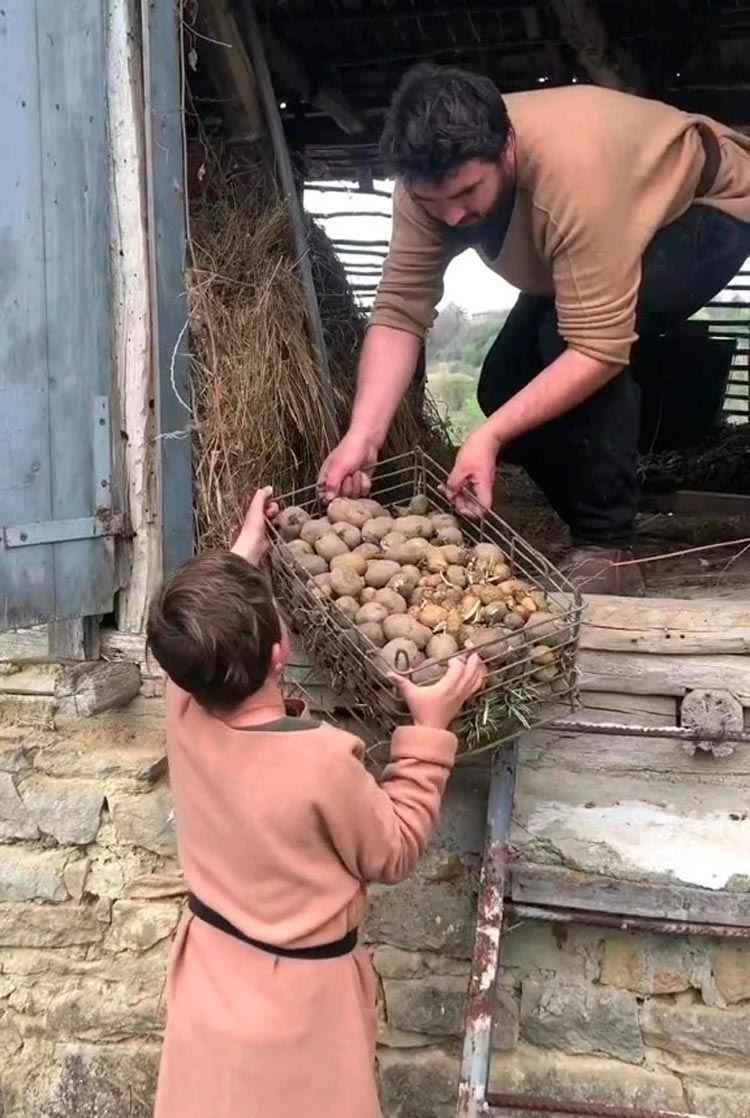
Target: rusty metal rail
(617, 729)
(474, 1099)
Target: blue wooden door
(56, 556)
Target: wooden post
(288, 187)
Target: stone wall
(90, 895)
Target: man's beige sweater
(598, 173)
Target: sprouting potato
(456, 575)
(432, 615)
(434, 560)
(454, 556)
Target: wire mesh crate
(517, 694)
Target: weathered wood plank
(643, 710)
(139, 560)
(676, 627)
(643, 674)
(593, 753)
(534, 884)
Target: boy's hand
(252, 542)
(437, 705)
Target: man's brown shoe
(598, 570)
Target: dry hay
(258, 409)
(719, 464)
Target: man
(616, 217)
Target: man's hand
(474, 471)
(346, 470)
(252, 542)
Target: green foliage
(456, 348)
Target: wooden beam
(290, 69)
(606, 63)
(535, 884)
(645, 674)
(227, 55)
(131, 333)
(668, 627)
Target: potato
(312, 530)
(351, 536)
(401, 655)
(379, 571)
(409, 553)
(494, 613)
(368, 595)
(489, 644)
(372, 508)
(346, 583)
(541, 655)
(514, 620)
(349, 606)
(454, 556)
(441, 646)
(417, 597)
(429, 672)
(348, 510)
(313, 564)
(546, 674)
(502, 572)
(419, 505)
(441, 520)
(393, 539)
(323, 586)
(529, 604)
(405, 581)
(434, 560)
(413, 526)
(373, 632)
(540, 600)
(487, 594)
(515, 586)
(371, 613)
(367, 550)
(354, 562)
(470, 607)
(289, 522)
(392, 601)
(545, 627)
(330, 545)
(373, 531)
(449, 535)
(488, 553)
(457, 576)
(454, 622)
(299, 547)
(432, 615)
(400, 625)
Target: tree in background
(456, 347)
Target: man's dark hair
(440, 117)
(212, 627)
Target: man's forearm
(386, 367)
(559, 388)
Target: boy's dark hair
(440, 117)
(212, 627)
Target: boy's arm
(252, 542)
(380, 830)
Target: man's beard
(489, 233)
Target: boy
(271, 1006)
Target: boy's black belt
(333, 950)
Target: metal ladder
(474, 1098)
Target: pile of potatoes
(419, 593)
